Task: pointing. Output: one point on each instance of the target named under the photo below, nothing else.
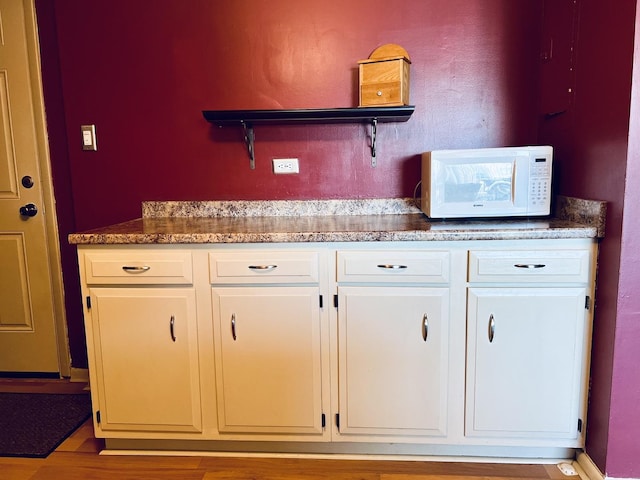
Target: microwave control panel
(540, 182)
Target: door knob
(29, 210)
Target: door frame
(48, 198)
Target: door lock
(27, 181)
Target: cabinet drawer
(263, 267)
(381, 94)
(138, 267)
(529, 266)
(381, 266)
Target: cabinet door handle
(529, 265)
(262, 267)
(233, 326)
(425, 327)
(171, 327)
(131, 269)
(492, 328)
(389, 266)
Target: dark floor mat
(34, 424)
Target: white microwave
(487, 182)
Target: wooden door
(28, 293)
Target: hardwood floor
(77, 458)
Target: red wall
(597, 155)
(143, 71)
(624, 447)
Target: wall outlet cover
(567, 469)
(285, 165)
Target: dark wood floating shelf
(248, 118)
(317, 115)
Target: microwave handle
(513, 182)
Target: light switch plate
(89, 137)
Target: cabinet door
(268, 359)
(525, 362)
(146, 359)
(393, 349)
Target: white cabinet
(393, 339)
(393, 345)
(442, 348)
(524, 368)
(268, 359)
(268, 355)
(528, 315)
(142, 343)
(147, 365)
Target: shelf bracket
(249, 138)
(374, 130)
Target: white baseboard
(79, 375)
(589, 468)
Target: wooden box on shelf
(384, 77)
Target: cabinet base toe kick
(391, 451)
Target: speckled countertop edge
(334, 221)
(592, 213)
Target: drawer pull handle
(262, 267)
(492, 328)
(130, 269)
(425, 327)
(388, 266)
(171, 327)
(529, 265)
(233, 326)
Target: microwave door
(479, 187)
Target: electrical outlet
(285, 165)
(567, 469)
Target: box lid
(389, 51)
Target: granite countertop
(334, 221)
